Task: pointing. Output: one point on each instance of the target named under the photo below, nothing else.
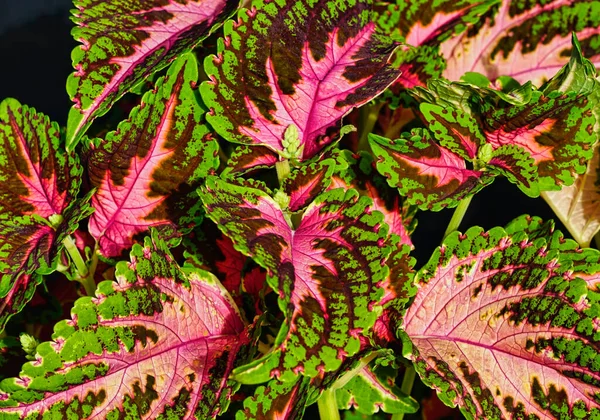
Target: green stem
(458, 215)
(328, 406)
(85, 275)
(368, 118)
(407, 383)
(283, 170)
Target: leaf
(503, 327)
(423, 25)
(326, 272)
(431, 177)
(118, 354)
(247, 159)
(39, 184)
(555, 129)
(124, 42)
(306, 182)
(527, 41)
(145, 172)
(327, 59)
(277, 400)
(372, 390)
(578, 206)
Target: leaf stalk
(459, 214)
(327, 404)
(407, 383)
(85, 275)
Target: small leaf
(430, 176)
(124, 42)
(277, 400)
(504, 327)
(145, 172)
(326, 273)
(372, 390)
(246, 159)
(327, 59)
(306, 182)
(159, 342)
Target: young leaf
(423, 25)
(527, 41)
(326, 272)
(305, 183)
(430, 176)
(287, 72)
(124, 42)
(502, 327)
(39, 184)
(578, 206)
(159, 342)
(145, 171)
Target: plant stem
(407, 383)
(328, 406)
(458, 215)
(283, 170)
(85, 276)
(368, 118)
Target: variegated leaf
(326, 271)
(529, 41)
(39, 184)
(287, 72)
(145, 172)
(159, 342)
(247, 159)
(423, 25)
(374, 389)
(430, 176)
(123, 42)
(503, 326)
(306, 182)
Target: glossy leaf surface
(159, 342)
(503, 325)
(123, 42)
(38, 183)
(287, 72)
(145, 171)
(326, 272)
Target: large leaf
(525, 40)
(39, 183)
(145, 171)
(158, 342)
(287, 72)
(503, 327)
(123, 42)
(430, 176)
(326, 272)
(423, 25)
(578, 206)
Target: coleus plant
(239, 252)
